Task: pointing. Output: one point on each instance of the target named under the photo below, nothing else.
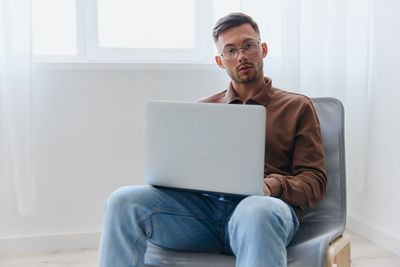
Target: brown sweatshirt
(294, 167)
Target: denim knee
(259, 231)
(125, 198)
(261, 209)
(262, 215)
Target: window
(137, 24)
(152, 30)
(139, 31)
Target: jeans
(256, 229)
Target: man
(256, 229)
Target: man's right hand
(266, 189)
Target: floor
(363, 253)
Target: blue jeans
(256, 229)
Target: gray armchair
(320, 240)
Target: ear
(219, 62)
(264, 49)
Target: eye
(229, 50)
(248, 45)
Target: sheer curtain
(317, 47)
(16, 144)
(322, 48)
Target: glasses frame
(242, 48)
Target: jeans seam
(290, 221)
(227, 245)
(135, 251)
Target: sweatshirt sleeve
(306, 185)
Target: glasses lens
(229, 53)
(250, 47)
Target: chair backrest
(333, 206)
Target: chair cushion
(159, 257)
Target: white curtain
(317, 47)
(322, 48)
(16, 138)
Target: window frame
(88, 50)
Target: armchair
(320, 240)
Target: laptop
(207, 147)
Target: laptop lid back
(205, 146)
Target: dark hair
(232, 20)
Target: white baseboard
(46, 243)
(373, 234)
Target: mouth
(245, 68)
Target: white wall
(88, 135)
(374, 212)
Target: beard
(249, 78)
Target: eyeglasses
(249, 47)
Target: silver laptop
(205, 146)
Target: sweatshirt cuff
(274, 185)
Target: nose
(242, 56)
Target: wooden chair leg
(343, 258)
(339, 252)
